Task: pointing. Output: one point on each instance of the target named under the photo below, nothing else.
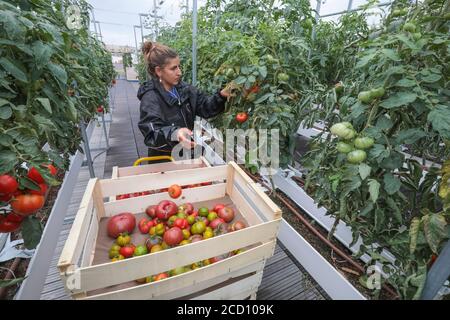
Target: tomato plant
(396, 103)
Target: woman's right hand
(185, 137)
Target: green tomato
(203, 212)
(364, 142)
(350, 134)
(308, 23)
(377, 92)
(356, 156)
(283, 77)
(339, 87)
(140, 251)
(365, 97)
(409, 27)
(343, 147)
(198, 228)
(339, 129)
(417, 36)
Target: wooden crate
(159, 167)
(236, 277)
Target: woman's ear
(158, 71)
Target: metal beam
(194, 43)
(384, 4)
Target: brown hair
(156, 55)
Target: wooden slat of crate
(268, 208)
(159, 167)
(108, 274)
(152, 181)
(74, 244)
(196, 280)
(139, 204)
(235, 291)
(89, 246)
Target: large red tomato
(173, 236)
(226, 214)
(8, 184)
(166, 209)
(27, 204)
(121, 223)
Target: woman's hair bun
(147, 48)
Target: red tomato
(14, 217)
(241, 117)
(27, 204)
(5, 197)
(8, 184)
(174, 191)
(8, 226)
(181, 223)
(34, 175)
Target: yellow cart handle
(155, 158)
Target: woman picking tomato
(168, 105)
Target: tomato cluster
(167, 226)
(353, 147)
(23, 201)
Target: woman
(168, 105)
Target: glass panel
(333, 6)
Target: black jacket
(161, 114)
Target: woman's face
(170, 74)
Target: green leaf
(407, 42)
(11, 24)
(58, 72)
(433, 77)
(31, 232)
(439, 118)
(378, 152)
(434, 228)
(263, 71)
(399, 99)
(393, 161)
(263, 98)
(8, 160)
(14, 68)
(406, 83)
(9, 283)
(6, 140)
(46, 104)
(391, 183)
(364, 212)
(42, 53)
(410, 136)
(391, 54)
(364, 170)
(365, 60)
(396, 210)
(384, 123)
(374, 189)
(414, 228)
(357, 110)
(27, 183)
(5, 112)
